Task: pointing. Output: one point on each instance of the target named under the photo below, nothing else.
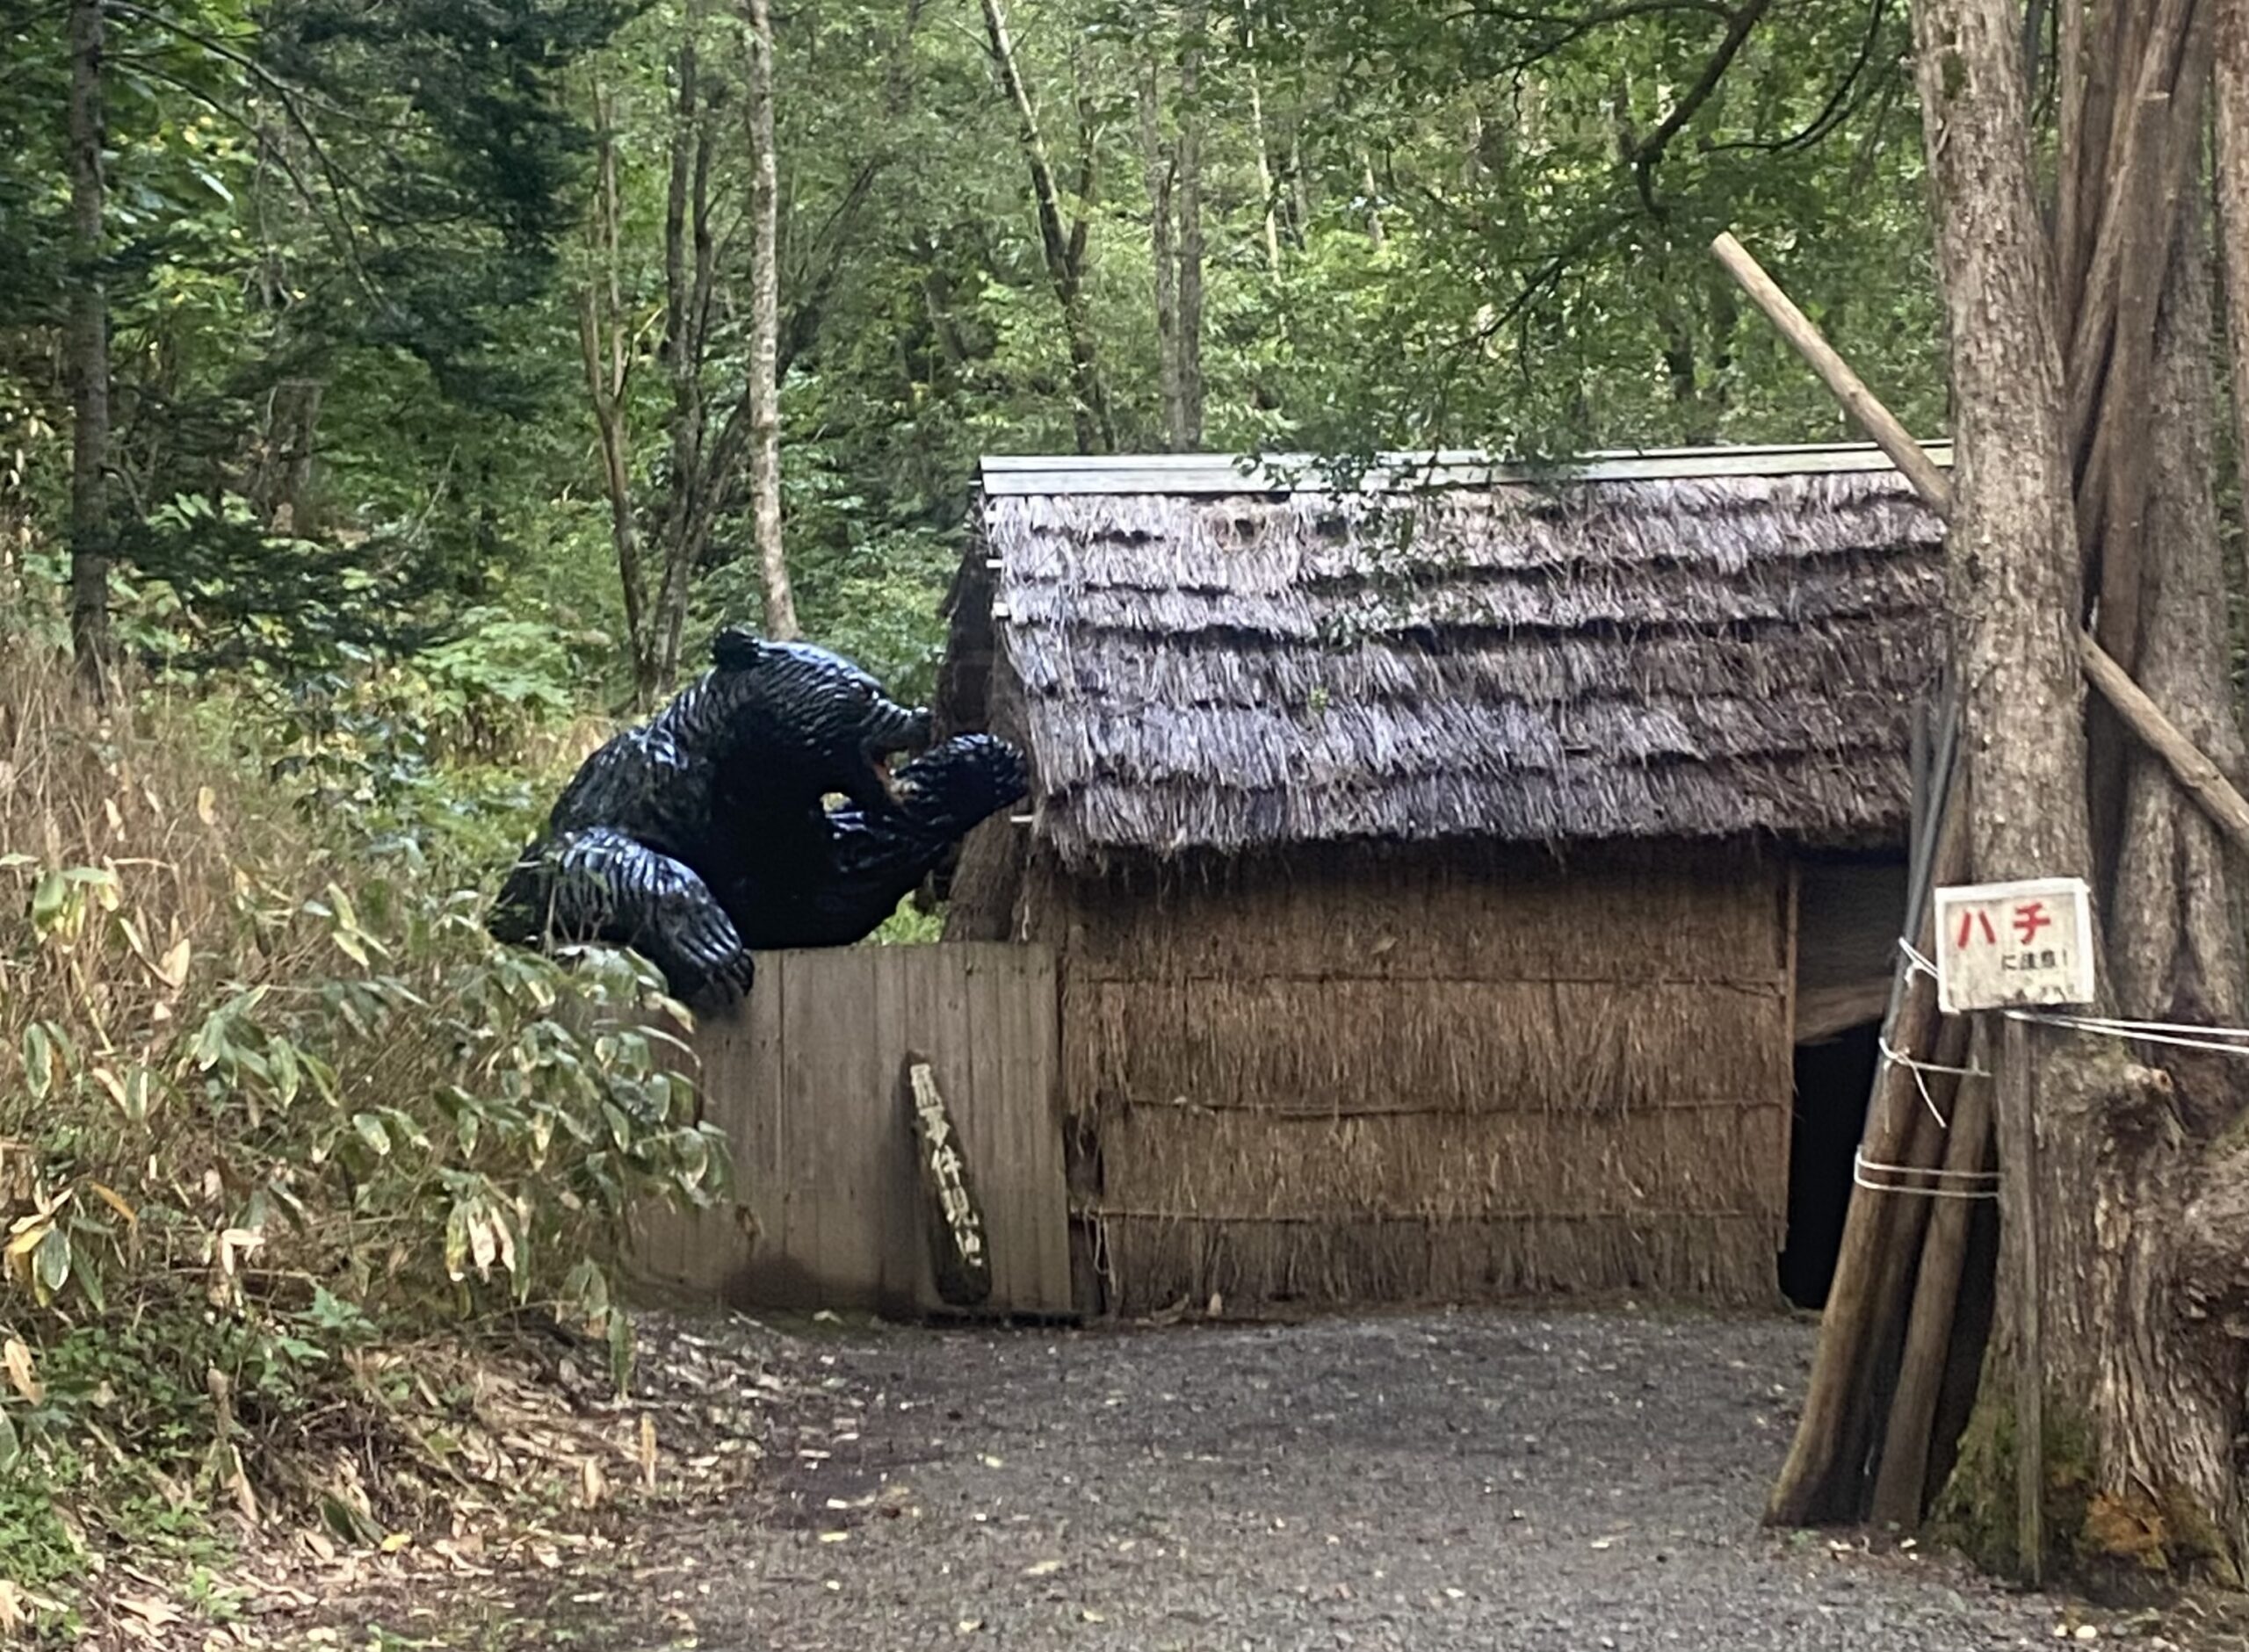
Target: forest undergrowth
(294, 1161)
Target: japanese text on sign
(2001, 945)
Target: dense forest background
(379, 278)
(389, 377)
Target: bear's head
(813, 718)
(955, 787)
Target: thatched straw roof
(1677, 646)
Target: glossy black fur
(705, 835)
(830, 876)
(603, 885)
(779, 721)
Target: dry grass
(1154, 1264)
(178, 882)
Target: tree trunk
(2012, 568)
(1164, 254)
(292, 432)
(1299, 188)
(1193, 122)
(92, 522)
(689, 274)
(2136, 1372)
(2012, 555)
(1065, 248)
(1266, 184)
(764, 390)
(2168, 1391)
(2232, 179)
(604, 352)
(1677, 317)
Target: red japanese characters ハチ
(2028, 918)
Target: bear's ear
(737, 648)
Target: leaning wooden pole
(1883, 1374)
(1910, 457)
(1819, 1479)
(1901, 1484)
(2196, 773)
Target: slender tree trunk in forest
(1266, 190)
(604, 352)
(1299, 188)
(764, 390)
(1373, 204)
(691, 273)
(1164, 255)
(1193, 122)
(1064, 247)
(1675, 314)
(92, 520)
(284, 484)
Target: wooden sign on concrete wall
(805, 1081)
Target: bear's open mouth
(905, 738)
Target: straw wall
(1386, 1075)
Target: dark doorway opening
(1833, 1080)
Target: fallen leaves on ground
(484, 1439)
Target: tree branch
(1842, 103)
(289, 97)
(1649, 153)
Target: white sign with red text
(2003, 945)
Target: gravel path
(1581, 1480)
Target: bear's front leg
(601, 886)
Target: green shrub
(276, 1099)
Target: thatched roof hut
(1287, 736)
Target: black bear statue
(708, 833)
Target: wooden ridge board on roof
(1006, 475)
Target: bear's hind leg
(598, 885)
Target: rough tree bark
(2143, 1226)
(764, 387)
(92, 522)
(2167, 1388)
(2011, 549)
(2232, 181)
(2012, 571)
(1064, 247)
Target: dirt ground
(1576, 1480)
